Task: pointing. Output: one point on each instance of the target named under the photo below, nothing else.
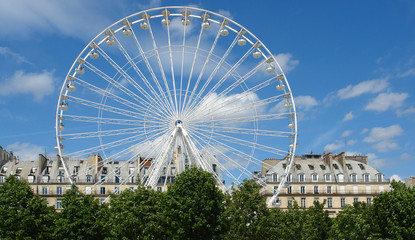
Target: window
(342, 191)
(33, 170)
(298, 166)
(31, 179)
(132, 179)
(104, 170)
(88, 190)
(117, 170)
(173, 171)
(131, 188)
(45, 179)
(355, 199)
(315, 189)
(88, 178)
(284, 165)
(117, 179)
(323, 167)
(59, 190)
(303, 202)
(355, 189)
(369, 201)
(48, 168)
(366, 177)
(311, 167)
(329, 189)
(61, 171)
(290, 203)
(75, 170)
(353, 177)
(336, 166)
(314, 177)
(117, 190)
(159, 189)
(102, 178)
(58, 203)
(2, 179)
(301, 177)
(302, 189)
(4, 169)
(368, 189)
(131, 170)
(342, 202)
(379, 177)
(214, 167)
(327, 177)
(361, 166)
(275, 189)
(290, 190)
(275, 177)
(289, 178)
(17, 177)
(349, 166)
(60, 178)
(102, 190)
(45, 190)
(329, 202)
(19, 170)
(340, 177)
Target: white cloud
(386, 101)
(396, 177)
(346, 133)
(384, 146)
(225, 13)
(351, 142)
(286, 62)
(333, 146)
(150, 4)
(76, 18)
(376, 162)
(370, 86)
(364, 130)
(406, 157)
(378, 134)
(7, 52)
(409, 72)
(37, 84)
(305, 102)
(410, 110)
(26, 151)
(349, 116)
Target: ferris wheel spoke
(114, 121)
(107, 133)
(230, 160)
(203, 69)
(172, 68)
(244, 142)
(127, 76)
(121, 100)
(142, 77)
(192, 68)
(243, 119)
(160, 64)
(229, 72)
(236, 130)
(153, 75)
(109, 145)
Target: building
(410, 182)
(336, 179)
(93, 176)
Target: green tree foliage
(82, 217)
(352, 223)
(393, 213)
(317, 222)
(287, 224)
(247, 212)
(23, 215)
(138, 214)
(195, 206)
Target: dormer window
(362, 167)
(104, 170)
(353, 177)
(48, 169)
(88, 178)
(75, 170)
(311, 167)
(2, 179)
(45, 179)
(31, 179)
(4, 169)
(327, 177)
(60, 178)
(336, 166)
(19, 170)
(349, 166)
(301, 177)
(379, 177)
(298, 166)
(314, 177)
(366, 177)
(117, 170)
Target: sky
(350, 64)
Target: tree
(23, 215)
(317, 222)
(287, 224)
(138, 214)
(393, 213)
(247, 212)
(195, 206)
(82, 217)
(352, 223)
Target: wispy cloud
(375, 161)
(383, 138)
(287, 62)
(37, 84)
(305, 102)
(407, 73)
(346, 133)
(349, 116)
(370, 86)
(7, 52)
(26, 151)
(408, 111)
(386, 101)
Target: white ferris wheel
(174, 87)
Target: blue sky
(351, 66)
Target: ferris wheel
(173, 87)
